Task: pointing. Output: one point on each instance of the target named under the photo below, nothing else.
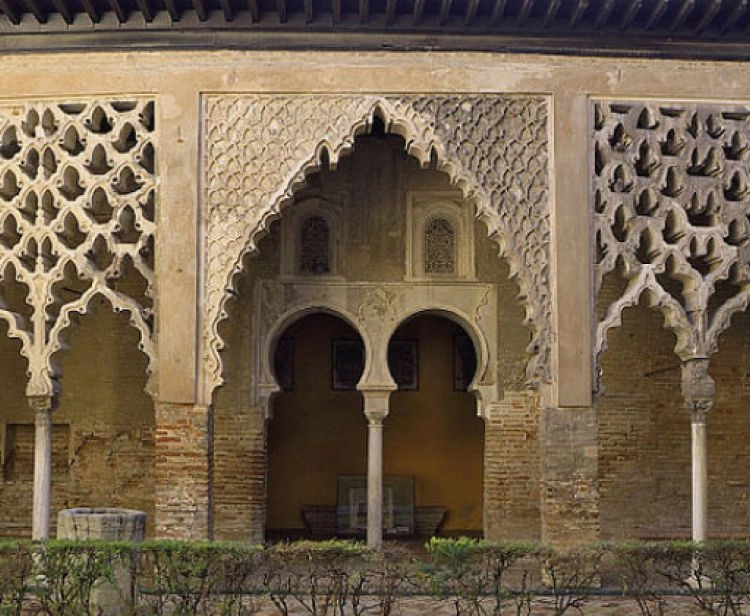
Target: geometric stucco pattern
(257, 149)
(77, 198)
(671, 200)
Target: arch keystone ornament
(258, 148)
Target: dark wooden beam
(685, 9)
(604, 12)
(200, 10)
(390, 12)
(308, 11)
(13, 14)
(578, 12)
(445, 11)
(226, 9)
(523, 13)
(731, 21)
(172, 10)
(364, 11)
(281, 10)
(118, 11)
(710, 13)
(550, 13)
(497, 12)
(146, 10)
(41, 16)
(336, 7)
(658, 12)
(64, 10)
(252, 5)
(629, 16)
(418, 11)
(471, 12)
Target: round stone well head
(108, 523)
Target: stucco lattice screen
(257, 149)
(439, 247)
(77, 199)
(671, 199)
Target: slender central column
(374, 482)
(42, 407)
(698, 392)
(376, 410)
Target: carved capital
(376, 402)
(42, 405)
(698, 389)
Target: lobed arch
(259, 149)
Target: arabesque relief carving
(77, 198)
(258, 148)
(671, 199)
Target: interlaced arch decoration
(671, 200)
(77, 200)
(258, 148)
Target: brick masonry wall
(103, 429)
(644, 433)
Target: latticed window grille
(439, 247)
(315, 246)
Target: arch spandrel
(258, 148)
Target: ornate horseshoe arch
(671, 200)
(258, 148)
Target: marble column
(42, 495)
(376, 410)
(698, 393)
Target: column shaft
(42, 467)
(375, 483)
(700, 479)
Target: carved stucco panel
(671, 200)
(257, 149)
(77, 200)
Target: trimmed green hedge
(61, 578)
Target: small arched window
(315, 246)
(439, 247)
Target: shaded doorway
(318, 430)
(432, 432)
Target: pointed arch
(259, 149)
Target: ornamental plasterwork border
(77, 200)
(258, 148)
(671, 200)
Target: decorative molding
(671, 200)
(77, 199)
(258, 148)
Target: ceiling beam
(630, 14)
(523, 13)
(550, 13)
(309, 11)
(708, 16)
(336, 7)
(497, 12)
(364, 11)
(471, 12)
(657, 13)
(682, 14)
(604, 11)
(226, 9)
(41, 16)
(118, 11)
(12, 14)
(390, 12)
(732, 19)
(578, 12)
(418, 11)
(445, 11)
(145, 8)
(64, 11)
(200, 10)
(174, 13)
(281, 10)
